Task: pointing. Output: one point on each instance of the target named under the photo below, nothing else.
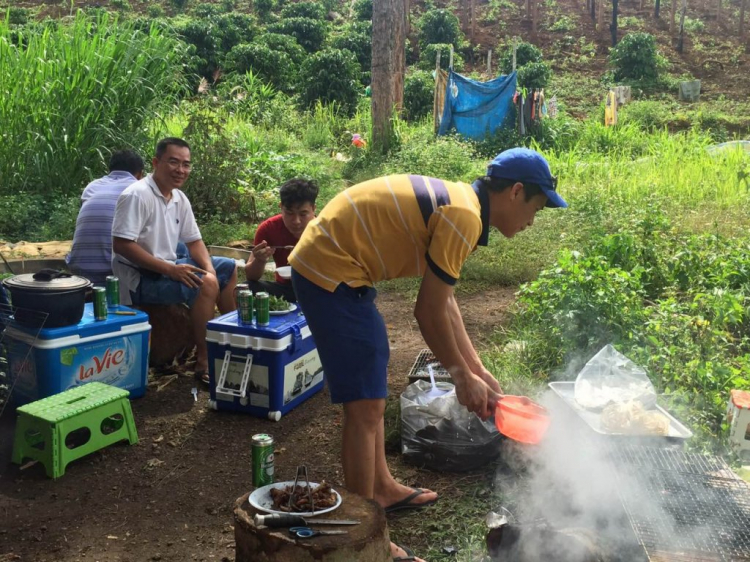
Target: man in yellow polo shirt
(405, 226)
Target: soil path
(170, 497)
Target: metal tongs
(302, 472)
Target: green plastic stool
(72, 424)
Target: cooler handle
(296, 336)
(242, 392)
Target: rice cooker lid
(58, 284)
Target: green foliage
(18, 15)
(179, 5)
(74, 92)
(419, 93)
(310, 10)
(359, 44)
(285, 44)
(308, 32)
(562, 24)
(233, 29)
(635, 58)
(428, 57)
(449, 158)
(264, 8)
(439, 26)
(155, 11)
(363, 10)
(525, 53)
(204, 36)
(331, 76)
(274, 67)
(534, 75)
(207, 10)
(121, 5)
(694, 25)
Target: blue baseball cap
(525, 165)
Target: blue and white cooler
(112, 351)
(262, 370)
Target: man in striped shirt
(405, 226)
(91, 254)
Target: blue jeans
(160, 289)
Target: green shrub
(204, 36)
(446, 157)
(563, 24)
(363, 10)
(18, 15)
(428, 56)
(650, 115)
(694, 26)
(359, 44)
(330, 76)
(439, 26)
(179, 5)
(635, 58)
(419, 93)
(264, 8)
(311, 10)
(206, 10)
(155, 11)
(234, 28)
(308, 32)
(534, 75)
(274, 67)
(285, 44)
(525, 53)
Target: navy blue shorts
(163, 290)
(351, 338)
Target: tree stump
(171, 332)
(366, 542)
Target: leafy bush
(363, 10)
(525, 53)
(274, 67)
(439, 26)
(179, 5)
(331, 76)
(264, 8)
(121, 5)
(635, 58)
(285, 44)
(308, 32)
(428, 56)
(204, 36)
(694, 26)
(206, 10)
(563, 24)
(359, 44)
(419, 93)
(447, 157)
(647, 114)
(534, 75)
(18, 15)
(234, 28)
(155, 11)
(311, 10)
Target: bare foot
(396, 492)
(398, 552)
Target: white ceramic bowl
(285, 272)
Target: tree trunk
(473, 15)
(742, 19)
(388, 66)
(613, 27)
(593, 12)
(672, 12)
(528, 9)
(600, 17)
(534, 16)
(657, 5)
(680, 41)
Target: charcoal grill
(683, 506)
(419, 369)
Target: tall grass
(72, 93)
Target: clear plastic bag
(611, 378)
(441, 434)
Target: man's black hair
(161, 147)
(530, 190)
(126, 161)
(298, 192)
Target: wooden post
(680, 41)
(489, 62)
(672, 13)
(613, 27)
(436, 115)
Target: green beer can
(262, 309)
(244, 308)
(262, 460)
(113, 291)
(100, 303)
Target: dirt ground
(170, 497)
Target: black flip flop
(203, 377)
(408, 558)
(406, 503)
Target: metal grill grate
(684, 506)
(419, 369)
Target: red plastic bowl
(520, 419)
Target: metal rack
(419, 369)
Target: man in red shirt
(277, 236)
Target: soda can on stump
(245, 308)
(100, 303)
(262, 309)
(113, 291)
(262, 445)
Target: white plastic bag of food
(611, 378)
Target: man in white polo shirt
(151, 217)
